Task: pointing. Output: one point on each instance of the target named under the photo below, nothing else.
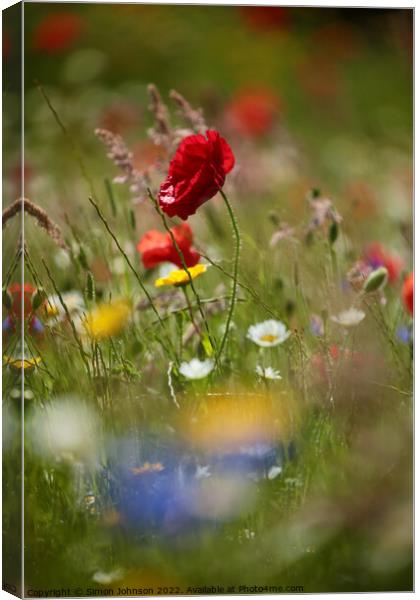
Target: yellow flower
(107, 319)
(22, 363)
(180, 277)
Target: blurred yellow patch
(229, 422)
(180, 277)
(108, 319)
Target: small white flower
(267, 372)
(274, 472)
(249, 534)
(268, 333)
(196, 369)
(55, 310)
(107, 578)
(62, 259)
(349, 318)
(202, 472)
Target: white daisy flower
(268, 333)
(349, 318)
(196, 369)
(55, 311)
(267, 372)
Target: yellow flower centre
(269, 337)
(51, 309)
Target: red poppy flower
(57, 32)
(156, 247)
(408, 293)
(14, 315)
(196, 173)
(252, 112)
(350, 360)
(376, 256)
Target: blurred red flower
(320, 77)
(6, 44)
(376, 256)
(58, 32)
(337, 357)
(252, 112)
(337, 39)
(17, 293)
(196, 173)
(15, 290)
(265, 18)
(156, 247)
(408, 293)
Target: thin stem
(73, 144)
(235, 272)
(66, 310)
(190, 310)
(243, 285)
(136, 275)
(184, 266)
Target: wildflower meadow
(207, 300)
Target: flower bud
(274, 218)
(7, 299)
(83, 258)
(376, 280)
(37, 298)
(333, 232)
(90, 286)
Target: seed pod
(132, 220)
(376, 280)
(7, 299)
(333, 232)
(37, 298)
(83, 258)
(90, 286)
(290, 308)
(274, 218)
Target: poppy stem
(235, 272)
(184, 266)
